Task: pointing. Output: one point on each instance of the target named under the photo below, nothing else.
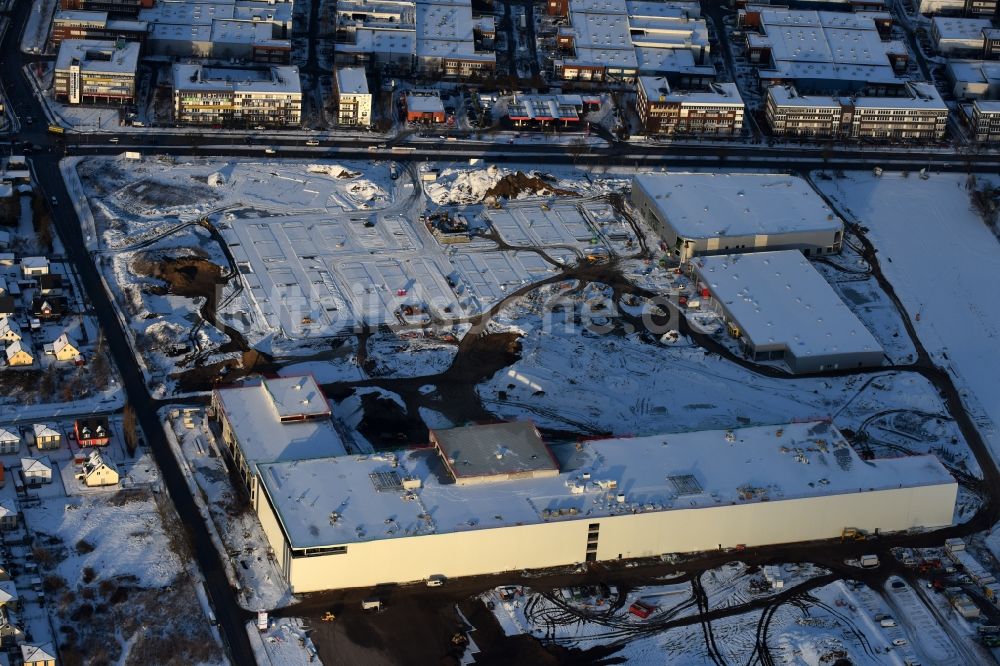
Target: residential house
(11, 634)
(50, 284)
(37, 470)
(4, 571)
(93, 431)
(8, 516)
(9, 597)
(9, 441)
(53, 307)
(64, 348)
(97, 472)
(46, 437)
(10, 331)
(38, 655)
(7, 258)
(18, 354)
(34, 266)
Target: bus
(56, 129)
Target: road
(48, 149)
(49, 179)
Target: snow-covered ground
(943, 261)
(286, 643)
(244, 545)
(836, 622)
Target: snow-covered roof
(982, 105)
(8, 591)
(7, 508)
(15, 348)
(494, 450)
(296, 397)
(8, 436)
(424, 103)
(62, 342)
(42, 430)
(335, 501)
(272, 80)
(31, 654)
(780, 299)
(711, 205)
(657, 89)
(352, 81)
(42, 464)
(9, 326)
(824, 45)
(99, 56)
(264, 438)
(34, 262)
(950, 27)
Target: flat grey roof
(710, 205)
(497, 449)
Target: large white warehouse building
(353, 521)
(720, 213)
(781, 309)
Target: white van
(435, 581)
(371, 604)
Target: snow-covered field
(943, 261)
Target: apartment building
(354, 102)
(96, 72)
(985, 120)
(718, 110)
(920, 116)
(269, 97)
(94, 26)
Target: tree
(130, 428)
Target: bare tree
(131, 429)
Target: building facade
(717, 111)
(921, 116)
(354, 102)
(236, 97)
(94, 26)
(616, 499)
(985, 121)
(114, 8)
(96, 72)
(704, 214)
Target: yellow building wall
(20, 358)
(559, 543)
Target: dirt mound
(190, 276)
(513, 185)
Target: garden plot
(116, 560)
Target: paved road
(49, 179)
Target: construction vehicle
(459, 639)
(854, 534)
(328, 617)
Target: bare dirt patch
(515, 184)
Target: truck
(262, 621)
(371, 604)
(56, 129)
(868, 561)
